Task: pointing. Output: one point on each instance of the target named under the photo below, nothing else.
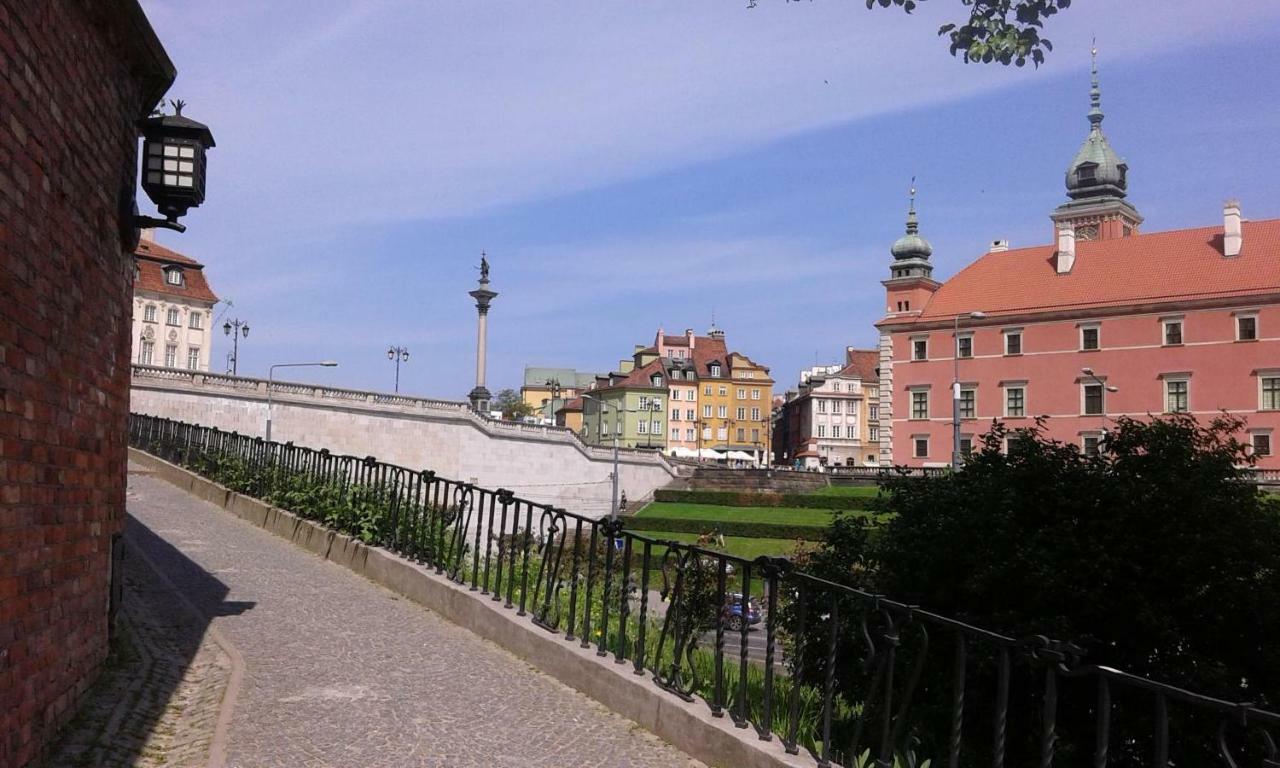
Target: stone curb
(688, 726)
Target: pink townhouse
(1104, 322)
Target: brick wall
(74, 76)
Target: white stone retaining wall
(550, 465)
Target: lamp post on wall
(554, 385)
(271, 375)
(234, 329)
(955, 389)
(1106, 387)
(398, 354)
(173, 167)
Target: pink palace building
(1106, 321)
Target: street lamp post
(554, 385)
(1107, 387)
(271, 375)
(235, 329)
(955, 390)
(398, 354)
(613, 507)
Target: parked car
(732, 612)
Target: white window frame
(193, 358)
(874, 434)
(1097, 327)
(915, 446)
(149, 313)
(967, 336)
(1008, 333)
(742, 393)
(706, 411)
(1179, 321)
(173, 276)
(1085, 437)
(835, 430)
(835, 406)
(715, 370)
(675, 414)
(822, 405)
(170, 355)
(724, 391)
(690, 414)
(1250, 315)
(1261, 432)
(195, 321)
(822, 430)
(755, 394)
(722, 434)
(173, 317)
(723, 411)
(642, 427)
(755, 414)
(1084, 400)
(741, 413)
(690, 434)
(1263, 377)
(1175, 378)
(1011, 385)
(973, 389)
(147, 355)
(919, 353)
(911, 403)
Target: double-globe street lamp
(235, 329)
(955, 387)
(271, 375)
(1106, 387)
(398, 354)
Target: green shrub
(745, 530)
(768, 499)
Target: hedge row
(756, 499)
(746, 530)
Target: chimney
(1066, 249)
(688, 334)
(1232, 237)
(998, 246)
(148, 235)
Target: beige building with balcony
(832, 419)
(172, 308)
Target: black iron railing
(758, 641)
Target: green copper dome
(1096, 170)
(911, 245)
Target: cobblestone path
(157, 701)
(340, 672)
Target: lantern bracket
(151, 222)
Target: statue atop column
(480, 396)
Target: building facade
(547, 389)
(172, 308)
(1105, 321)
(627, 407)
(76, 79)
(827, 420)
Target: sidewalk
(340, 672)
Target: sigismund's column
(480, 396)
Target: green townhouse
(630, 406)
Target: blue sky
(634, 164)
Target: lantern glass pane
(154, 163)
(171, 179)
(153, 148)
(187, 152)
(186, 166)
(171, 165)
(153, 178)
(186, 181)
(170, 150)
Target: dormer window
(656, 380)
(1086, 173)
(173, 276)
(715, 369)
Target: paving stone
(341, 672)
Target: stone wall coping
(298, 393)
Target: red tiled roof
(862, 364)
(151, 258)
(1147, 268)
(675, 341)
(571, 406)
(638, 377)
(705, 351)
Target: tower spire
(913, 226)
(1095, 95)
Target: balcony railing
(757, 641)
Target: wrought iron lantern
(173, 165)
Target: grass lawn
(866, 491)
(748, 549)
(716, 512)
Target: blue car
(732, 613)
